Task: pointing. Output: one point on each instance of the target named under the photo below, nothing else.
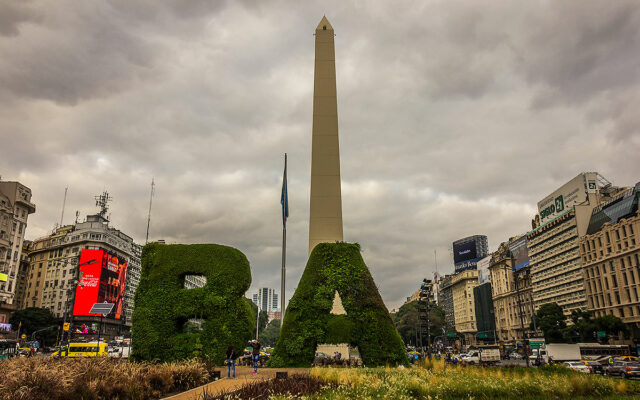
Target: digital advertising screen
(464, 251)
(101, 281)
(519, 253)
(5, 328)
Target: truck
(485, 356)
(556, 352)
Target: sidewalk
(243, 377)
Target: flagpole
(284, 247)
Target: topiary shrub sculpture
(163, 307)
(308, 320)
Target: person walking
(231, 362)
(256, 356)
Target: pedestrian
(231, 362)
(256, 356)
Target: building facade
(462, 285)
(266, 299)
(445, 301)
(610, 253)
(53, 273)
(555, 262)
(512, 294)
(15, 207)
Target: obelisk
(325, 216)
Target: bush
(163, 306)
(96, 379)
(337, 267)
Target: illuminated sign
(101, 281)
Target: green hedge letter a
(172, 321)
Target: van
(82, 350)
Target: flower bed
(97, 378)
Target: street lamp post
(71, 291)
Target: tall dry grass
(435, 380)
(96, 378)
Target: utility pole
(149, 216)
(64, 202)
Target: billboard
(101, 281)
(464, 251)
(571, 193)
(519, 253)
(5, 328)
(483, 270)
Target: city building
(511, 290)
(23, 275)
(468, 251)
(414, 297)
(266, 299)
(464, 308)
(556, 266)
(610, 253)
(485, 318)
(54, 271)
(445, 301)
(15, 207)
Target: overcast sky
(455, 118)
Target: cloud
(455, 119)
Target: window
(614, 281)
(617, 234)
(617, 297)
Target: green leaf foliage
(34, 319)
(163, 306)
(308, 322)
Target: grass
(97, 378)
(436, 381)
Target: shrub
(337, 267)
(163, 306)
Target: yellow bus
(82, 350)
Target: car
(624, 369)
(594, 366)
(576, 366)
(627, 358)
(515, 356)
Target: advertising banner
(571, 193)
(464, 251)
(101, 281)
(519, 253)
(5, 328)
(483, 270)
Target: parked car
(594, 366)
(576, 366)
(624, 369)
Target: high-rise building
(266, 299)
(468, 251)
(445, 301)
(54, 274)
(511, 290)
(556, 267)
(325, 215)
(485, 314)
(464, 308)
(15, 207)
(610, 253)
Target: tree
(406, 320)
(582, 328)
(552, 322)
(34, 319)
(263, 319)
(269, 335)
(610, 324)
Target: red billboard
(103, 280)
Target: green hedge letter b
(172, 321)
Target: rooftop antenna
(435, 257)
(64, 202)
(149, 216)
(102, 201)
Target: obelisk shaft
(325, 217)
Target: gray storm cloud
(455, 118)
